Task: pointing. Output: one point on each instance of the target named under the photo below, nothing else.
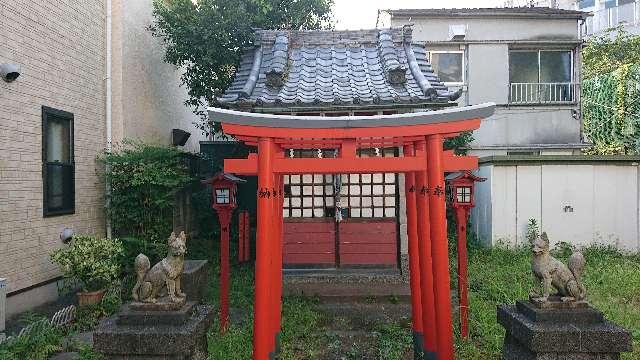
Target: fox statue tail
(142, 266)
(576, 265)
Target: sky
(361, 14)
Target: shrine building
(347, 220)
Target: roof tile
(301, 68)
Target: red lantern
(461, 189)
(224, 191)
(223, 201)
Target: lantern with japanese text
(223, 201)
(461, 190)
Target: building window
(57, 162)
(448, 65)
(586, 3)
(541, 76)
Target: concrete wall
(577, 201)
(530, 125)
(148, 100)
(492, 28)
(486, 48)
(61, 49)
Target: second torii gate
(421, 134)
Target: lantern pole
(462, 213)
(224, 216)
(414, 261)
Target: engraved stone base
(163, 304)
(153, 335)
(558, 330)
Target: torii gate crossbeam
(424, 162)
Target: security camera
(66, 235)
(9, 72)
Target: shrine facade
(346, 219)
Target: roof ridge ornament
(396, 72)
(277, 72)
(424, 84)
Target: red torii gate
(424, 162)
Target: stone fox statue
(551, 272)
(164, 276)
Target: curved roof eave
(479, 111)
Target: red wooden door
(368, 242)
(367, 235)
(309, 243)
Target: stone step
(361, 292)
(65, 356)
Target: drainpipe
(3, 307)
(108, 112)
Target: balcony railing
(607, 18)
(542, 93)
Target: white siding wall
(603, 198)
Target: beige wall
(147, 99)
(578, 202)
(60, 47)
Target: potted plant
(91, 261)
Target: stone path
(357, 292)
(353, 313)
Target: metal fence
(542, 93)
(62, 317)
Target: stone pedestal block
(195, 279)
(574, 331)
(153, 335)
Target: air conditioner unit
(457, 32)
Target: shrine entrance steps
(365, 292)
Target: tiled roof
(525, 11)
(324, 69)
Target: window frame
(47, 114)
(540, 51)
(462, 66)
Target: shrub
(93, 262)
(144, 180)
(42, 340)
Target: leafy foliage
(533, 230)
(94, 262)
(611, 92)
(609, 51)
(460, 143)
(144, 181)
(41, 341)
(206, 38)
(611, 111)
(89, 316)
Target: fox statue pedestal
(154, 334)
(561, 326)
(161, 322)
(556, 330)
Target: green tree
(610, 93)
(207, 37)
(609, 51)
